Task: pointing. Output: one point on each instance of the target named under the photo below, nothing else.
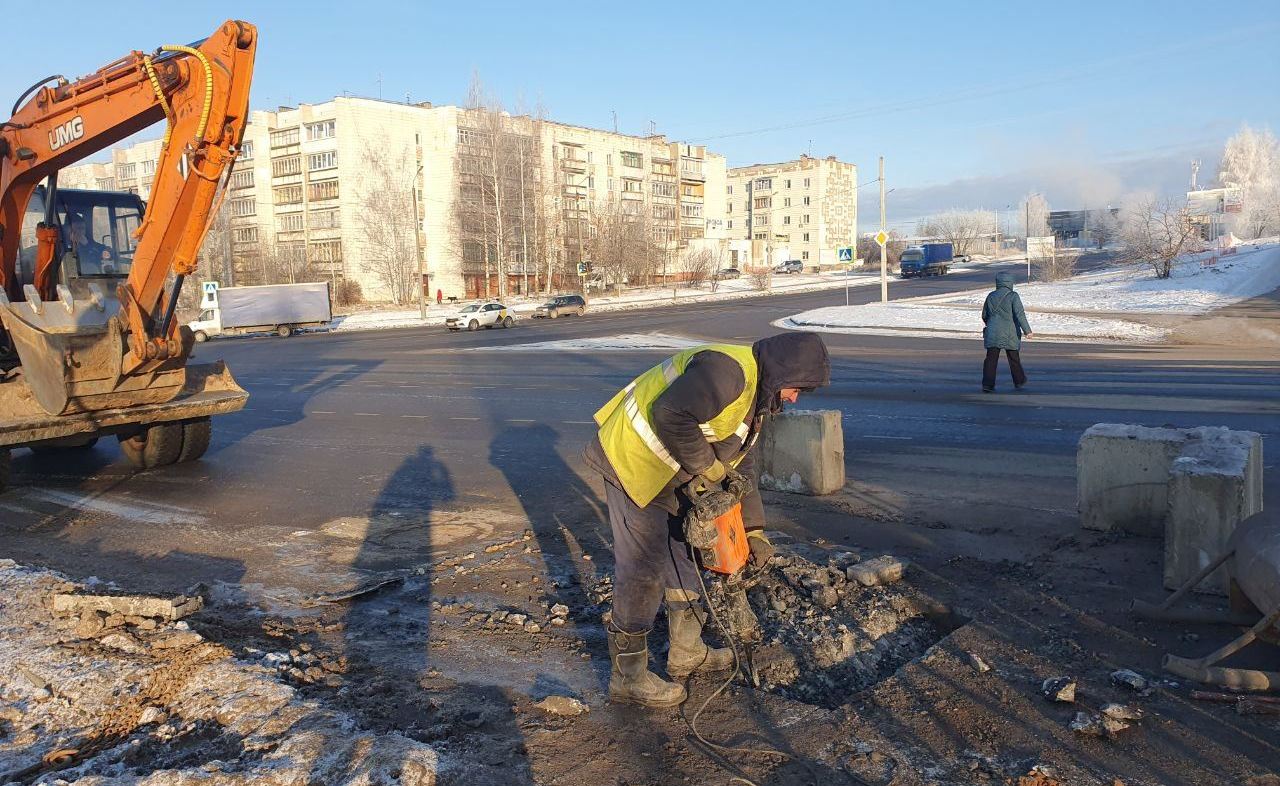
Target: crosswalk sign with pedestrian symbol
(844, 254)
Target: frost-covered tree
(1154, 232)
(1251, 162)
(960, 228)
(1102, 226)
(1034, 212)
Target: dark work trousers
(649, 557)
(992, 363)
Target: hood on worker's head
(789, 360)
(1004, 279)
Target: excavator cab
(96, 235)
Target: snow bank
(913, 318)
(621, 342)
(1197, 285)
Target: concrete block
(803, 452)
(128, 605)
(1213, 485)
(1122, 477)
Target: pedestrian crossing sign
(845, 254)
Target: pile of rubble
(832, 624)
(103, 689)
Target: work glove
(716, 472)
(761, 549)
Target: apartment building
(324, 187)
(804, 209)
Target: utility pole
(884, 263)
(1026, 219)
(417, 246)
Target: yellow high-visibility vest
(643, 464)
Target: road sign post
(845, 255)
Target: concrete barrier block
(803, 452)
(1122, 476)
(1213, 485)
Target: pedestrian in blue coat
(1006, 325)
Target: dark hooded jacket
(1002, 313)
(711, 382)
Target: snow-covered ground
(1195, 287)
(1063, 310)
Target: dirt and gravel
(488, 666)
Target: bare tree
(961, 228)
(697, 267)
(1155, 232)
(1102, 226)
(1034, 212)
(1251, 163)
(388, 223)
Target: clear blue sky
(972, 104)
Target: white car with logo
(489, 314)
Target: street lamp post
(417, 246)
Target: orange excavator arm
(203, 92)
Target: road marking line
(579, 422)
(521, 420)
(323, 412)
(415, 416)
(367, 414)
(281, 410)
(464, 418)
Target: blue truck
(931, 259)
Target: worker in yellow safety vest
(694, 418)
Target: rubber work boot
(688, 652)
(631, 681)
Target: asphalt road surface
(354, 439)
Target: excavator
(90, 345)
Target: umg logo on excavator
(66, 133)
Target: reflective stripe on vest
(643, 464)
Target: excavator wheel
(195, 438)
(157, 445)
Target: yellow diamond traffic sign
(881, 238)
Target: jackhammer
(713, 528)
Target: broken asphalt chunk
(168, 609)
(874, 572)
(1059, 689)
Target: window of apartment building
(325, 251)
(662, 167)
(246, 151)
(804, 255)
(806, 182)
(591, 157)
(128, 171)
(692, 233)
(289, 165)
(632, 159)
(591, 181)
(806, 237)
(630, 186)
(691, 210)
(788, 183)
(322, 189)
(148, 167)
(608, 159)
(610, 185)
(763, 203)
(244, 207)
(730, 189)
(760, 236)
(287, 195)
(147, 181)
(323, 130)
(691, 166)
(323, 219)
(661, 189)
(632, 208)
(666, 212)
(786, 201)
(762, 219)
(786, 220)
(730, 223)
(326, 160)
(690, 191)
(106, 184)
(804, 219)
(245, 234)
(728, 208)
(763, 183)
(290, 222)
(806, 201)
(242, 178)
(470, 136)
(284, 136)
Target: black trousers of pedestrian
(650, 557)
(992, 363)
